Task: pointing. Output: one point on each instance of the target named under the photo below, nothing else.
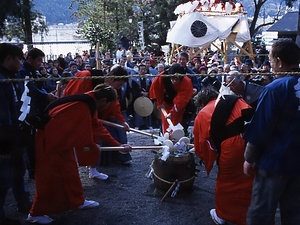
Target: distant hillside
(56, 11)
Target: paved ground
(129, 197)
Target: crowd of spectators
(208, 69)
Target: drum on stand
(181, 168)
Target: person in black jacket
(10, 172)
(33, 100)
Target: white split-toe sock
(93, 173)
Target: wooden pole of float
(98, 60)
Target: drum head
(143, 106)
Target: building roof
(287, 24)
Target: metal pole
(298, 32)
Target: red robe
(80, 86)
(233, 187)
(58, 185)
(184, 89)
(112, 112)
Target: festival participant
(11, 170)
(172, 93)
(112, 113)
(217, 137)
(273, 142)
(34, 98)
(58, 186)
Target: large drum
(177, 167)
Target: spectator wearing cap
(73, 68)
(203, 70)
(212, 79)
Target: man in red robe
(218, 130)
(112, 113)
(58, 185)
(172, 93)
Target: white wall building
(61, 39)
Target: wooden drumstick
(168, 119)
(131, 129)
(120, 148)
(169, 190)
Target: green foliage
(107, 21)
(14, 22)
(8, 8)
(103, 21)
(94, 33)
(15, 27)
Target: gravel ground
(129, 197)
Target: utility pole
(298, 32)
(141, 34)
(27, 20)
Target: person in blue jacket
(273, 147)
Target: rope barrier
(138, 76)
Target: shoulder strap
(170, 92)
(219, 119)
(73, 98)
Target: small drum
(143, 106)
(181, 168)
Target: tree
(7, 8)
(107, 25)
(257, 9)
(157, 16)
(112, 18)
(21, 21)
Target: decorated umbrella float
(202, 23)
